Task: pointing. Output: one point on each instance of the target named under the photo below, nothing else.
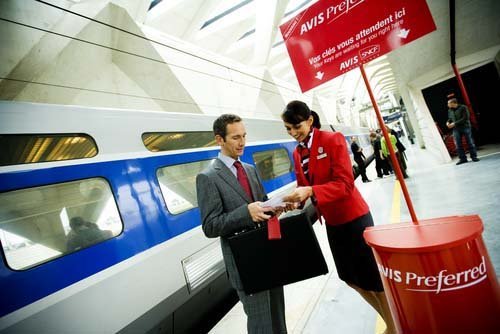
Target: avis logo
(369, 51)
(442, 281)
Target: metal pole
(455, 69)
(465, 96)
(394, 160)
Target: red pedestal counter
(437, 275)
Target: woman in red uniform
(324, 174)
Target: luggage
(264, 264)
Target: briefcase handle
(309, 210)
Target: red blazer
(330, 172)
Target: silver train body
(99, 224)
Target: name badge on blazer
(321, 156)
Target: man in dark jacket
(458, 120)
(360, 158)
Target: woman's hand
(291, 206)
(300, 194)
(288, 207)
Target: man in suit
(229, 197)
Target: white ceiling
(233, 29)
(247, 31)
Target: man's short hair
(453, 100)
(220, 124)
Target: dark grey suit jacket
(223, 207)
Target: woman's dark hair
(297, 111)
(316, 121)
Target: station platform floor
(325, 304)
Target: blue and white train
(141, 262)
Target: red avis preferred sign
(332, 37)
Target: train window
(31, 148)
(178, 185)
(169, 141)
(43, 223)
(272, 163)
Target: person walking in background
(399, 156)
(459, 121)
(381, 165)
(401, 148)
(324, 174)
(399, 130)
(360, 158)
(229, 196)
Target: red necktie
(241, 175)
(304, 160)
(304, 156)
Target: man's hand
(300, 194)
(258, 213)
(450, 125)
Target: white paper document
(274, 202)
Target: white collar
(309, 143)
(228, 161)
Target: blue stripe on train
(145, 218)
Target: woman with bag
(324, 174)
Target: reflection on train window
(169, 141)
(30, 148)
(178, 185)
(43, 223)
(272, 163)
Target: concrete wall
(426, 61)
(39, 66)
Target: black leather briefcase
(264, 264)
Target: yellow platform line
(396, 203)
(380, 325)
(395, 218)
